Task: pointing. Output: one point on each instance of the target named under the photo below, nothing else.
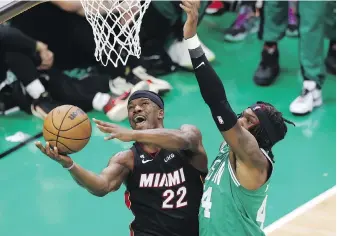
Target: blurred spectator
(274, 22)
(246, 22)
(65, 32)
(292, 30)
(73, 32)
(330, 32)
(217, 7)
(70, 37)
(40, 87)
(166, 32)
(33, 56)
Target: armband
(194, 46)
(223, 115)
(70, 167)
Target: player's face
(144, 114)
(248, 119)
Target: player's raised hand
(115, 131)
(191, 7)
(65, 161)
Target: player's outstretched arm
(188, 137)
(109, 180)
(212, 90)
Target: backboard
(9, 9)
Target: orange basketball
(68, 128)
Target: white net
(116, 25)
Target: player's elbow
(99, 194)
(104, 192)
(104, 188)
(190, 137)
(113, 186)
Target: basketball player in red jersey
(163, 171)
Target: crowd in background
(47, 53)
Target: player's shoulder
(123, 155)
(123, 158)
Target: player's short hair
(274, 131)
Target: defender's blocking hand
(191, 7)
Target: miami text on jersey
(155, 180)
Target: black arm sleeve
(212, 90)
(14, 40)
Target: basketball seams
(65, 146)
(49, 131)
(57, 137)
(75, 137)
(74, 125)
(52, 119)
(63, 136)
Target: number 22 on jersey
(206, 203)
(169, 195)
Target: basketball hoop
(115, 25)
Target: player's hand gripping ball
(68, 128)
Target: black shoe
(8, 104)
(292, 31)
(43, 105)
(330, 61)
(268, 69)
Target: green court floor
(39, 198)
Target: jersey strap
(232, 174)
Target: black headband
(148, 94)
(273, 135)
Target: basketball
(68, 128)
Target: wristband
(72, 166)
(193, 43)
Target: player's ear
(161, 114)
